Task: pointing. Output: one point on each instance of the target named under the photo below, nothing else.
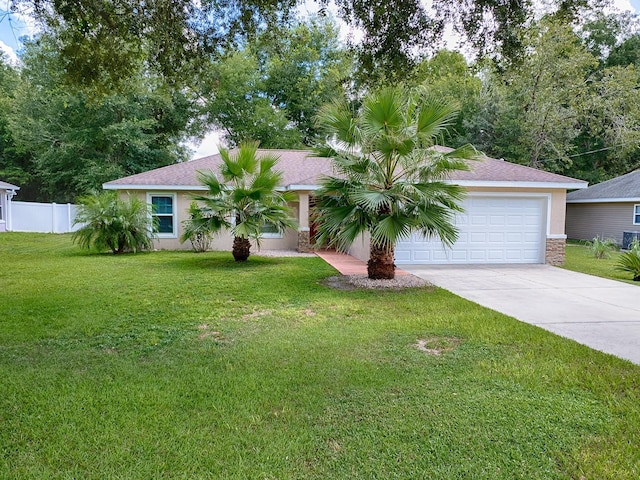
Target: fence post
(53, 218)
(68, 217)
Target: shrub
(113, 224)
(196, 230)
(630, 262)
(602, 248)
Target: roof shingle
(619, 188)
(299, 168)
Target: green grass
(183, 365)
(580, 259)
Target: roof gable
(301, 169)
(623, 188)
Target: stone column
(304, 239)
(554, 252)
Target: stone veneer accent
(304, 241)
(554, 253)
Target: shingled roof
(300, 169)
(620, 189)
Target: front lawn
(183, 365)
(580, 259)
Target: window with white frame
(636, 214)
(163, 211)
(269, 230)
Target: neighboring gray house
(7, 192)
(605, 210)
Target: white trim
(517, 184)
(172, 188)
(271, 235)
(636, 214)
(558, 236)
(605, 200)
(174, 214)
(302, 187)
(304, 229)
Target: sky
(15, 25)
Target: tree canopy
(101, 41)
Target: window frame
(173, 215)
(271, 234)
(636, 214)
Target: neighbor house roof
(620, 189)
(303, 172)
(7, 186)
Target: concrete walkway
(600, 313)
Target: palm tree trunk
(380, 265)
(241, 248)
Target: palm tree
(111, 223)
(389, 174)
(246, 200)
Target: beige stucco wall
(605, 220)
(223, 240)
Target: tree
(246, 201)
(235, 102)
(16, 165)
(101, 41)
(77, 142)
(270, 90)
(110, 223)
(537, 108)
(447, 75)
(390, 179)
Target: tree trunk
(380, 265)
(241, 248)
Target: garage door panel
(514, 237)
(420, 255)
(477, 255)
(478, 237)
(491, 230)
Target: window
(636, 214)
(269, 230)
(163, 209)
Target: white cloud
(10, 53)
(208, 146)
(623, 5)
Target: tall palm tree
(245, 201)
(389, 175)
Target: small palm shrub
(113, 224)
(196, 230)
(630, 262)
(602, 248)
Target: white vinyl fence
(42, 217)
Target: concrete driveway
(603, 314)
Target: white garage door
(491, 230)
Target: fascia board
(605, 200)
(173, 188)
(490, 184)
